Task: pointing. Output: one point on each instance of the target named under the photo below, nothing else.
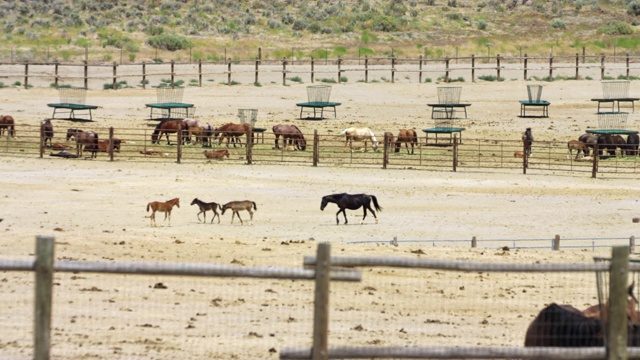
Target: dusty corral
(96, 211)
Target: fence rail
(366, 69)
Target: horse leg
(364, 209)
(277, 138)
(153, 218)
(239, 218)
(250, 217)
(373, 213)
(215, 213)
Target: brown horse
(217, 154)
(47, 132)
(232, 130)
(236, 206)
(7, 122)
(88, 138)
(290, 134)
(406, 136)
(169, 127)
(164, 207)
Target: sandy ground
(96, 211)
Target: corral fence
(325, 269)
(374, 69)
(136, 144)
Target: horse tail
(415, 136)
(344, 132)
(375, 202)
(254, 206)
(148, 206)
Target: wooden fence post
(474, 242)
(43, 296)
(144, 75)
(420, 70)
(111, 143)
(115, 77)
(55, 71)
(385, 151)
(550, 67)
(321, 303)
(200, 72)
(284, 71)
(229, 71)
(555, 243)
(179, 146)
(632, 245)
(26, 75)
(312, 70)
(455, 153)
(86, 74)
(617, 328)
(249, 146)
(526, 60)
(577, 66)
(498, 67)
(339, 70)
(473, 68)
(627, 61)
(366, 69)
(393, 69)
(173, 74)
(446, 69)
(255, 82)
(316, 148)
(41, 140)
(601, 66)
(596, 157)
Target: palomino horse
(359, 134)
(290, 134)
(232, 130)
(168, 127)
(406, 136)
(7, 122)
(351, 202)
(164, 207)
(236, 206)
(88, 138)
(204, 206)
(47, 132)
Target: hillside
(66, 30)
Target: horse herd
(608, 143)
(343, 200)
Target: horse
(359, 134)
(590, 140)
(406, 136)
(290, 134)
(164, 207)
(351, 202)
(527, 140)
(190, 123)
(236, 206)
(596, 311)
(610, 143)
(389, 139)
(232, 130)
(207, 134)
(632, 144)
(168, 127)
(89, 139)
(103, 145)
(204, 206)
(7, 122)
(47, 132)
(216, 154)
(579, 146)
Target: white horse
(359, 134)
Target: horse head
(71, 133)
(325, 201)
(373, 139)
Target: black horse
(351, 202)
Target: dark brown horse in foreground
(47, 132)
(232, 131)
(88, 138)
(7, 122)
(169, 127)
(351, 202)
(164, 207)
(406, 136)
(204, 206)
(290, 135)
(236, 206)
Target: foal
(236, 206)
(204, 206)
(164, 207)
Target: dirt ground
(96, 211)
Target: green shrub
(558, 24)
(171, 42)
(633, 8)
(490, 78)
(617, 28)
(295, 79)
(482, 24)
(325, 80)
(344, 79)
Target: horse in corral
(88, 139)
(632, 144)
(236, 206)
(590, 140)
(168, 127)
(290, 135)
(204, 206)
(527, 140)
(207, 134)
(47, 132)
(611, 143)
(351, 202)
(579, 146)
(600, 312)
(165, 207)
(359, 134)
(194, 127)
(406, 136)
(217, 154)
(7, 122)
(232, 131)
(103, 145)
